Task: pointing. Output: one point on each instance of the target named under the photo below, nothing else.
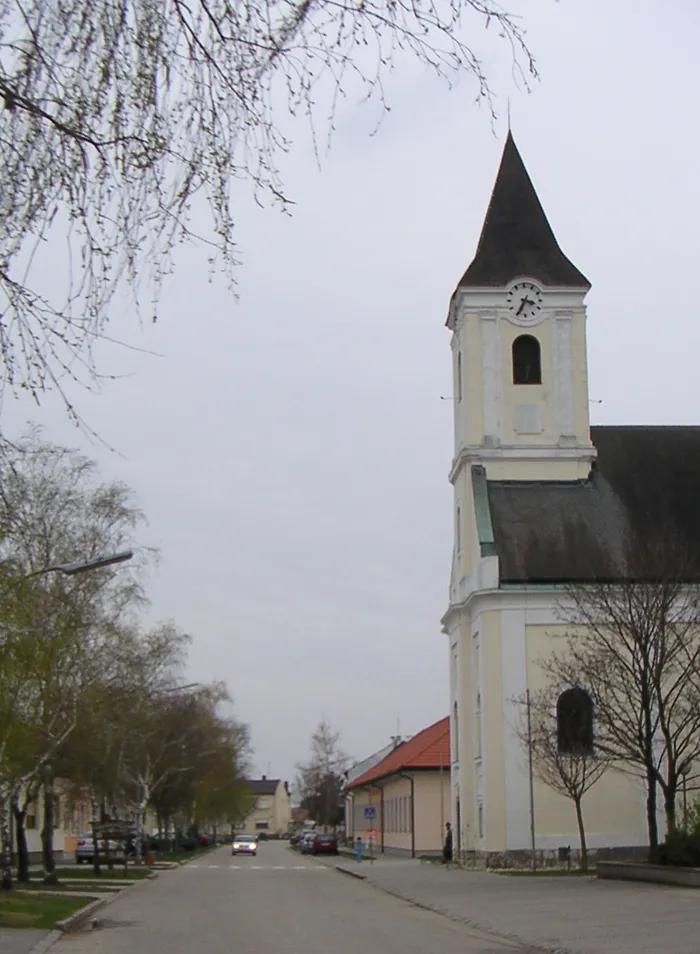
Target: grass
(39, 912)
(88, 886)
(180, 855)
(115, 874)
(542, 872)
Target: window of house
(459, 375)
(575, 722)
(57, 812)
(30, 820)
(527, 360)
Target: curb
(76, 921)
(47, 941)
(349, 871)
(526, 947)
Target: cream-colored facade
(510, 431)
(272, 807)
(411, 812)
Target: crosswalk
(247, 867)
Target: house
(405, 796)
(72, 816)
(272, 806)
(541, 500)
(359, 768)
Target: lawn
(85, 871)
(180, 855)
(88, 886)
(542, 872)
(40, 911)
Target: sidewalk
(577, 915)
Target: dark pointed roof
(516, 238)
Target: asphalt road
(276, 903)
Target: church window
(575, 722)
(459, 375)
(480, 815)
(527, 360)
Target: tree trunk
(652, 824)
(670, 795)
(5, 843)
(20, 814)
(47, 855)
(95, 813)
(581, 834)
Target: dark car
(324, 845)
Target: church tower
(519, 344)
(518, 323)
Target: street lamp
(684, 773)
(84, 566)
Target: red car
(324, 845)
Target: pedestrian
(358, 849)
(447, 846)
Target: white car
(244, 845)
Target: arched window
(527, 361)
(575, 722)
(459, 375)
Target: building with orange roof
(404, 799)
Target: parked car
(262, 835)
(244, 845)
(294, 839)
(324, 845)
(306, 842)
(109, 850)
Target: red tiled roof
(429, 749)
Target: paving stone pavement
(579, 914)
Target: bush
(681, 849)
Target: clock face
(524, 301)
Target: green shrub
(681, 849)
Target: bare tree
(118, 115)
(320, 780)
(636, 648)
(568, 765)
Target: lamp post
(684, 773)
(84, 566)
(68, 569)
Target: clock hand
(522, 305)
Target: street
(277, 903)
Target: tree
(562, 752)
(636, 649)
(320, 781)
(119, 115)
(57, 632)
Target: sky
(290, 446)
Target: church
(541, 500)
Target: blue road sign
(370, 811)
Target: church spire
(516, 238)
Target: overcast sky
(291, 449)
